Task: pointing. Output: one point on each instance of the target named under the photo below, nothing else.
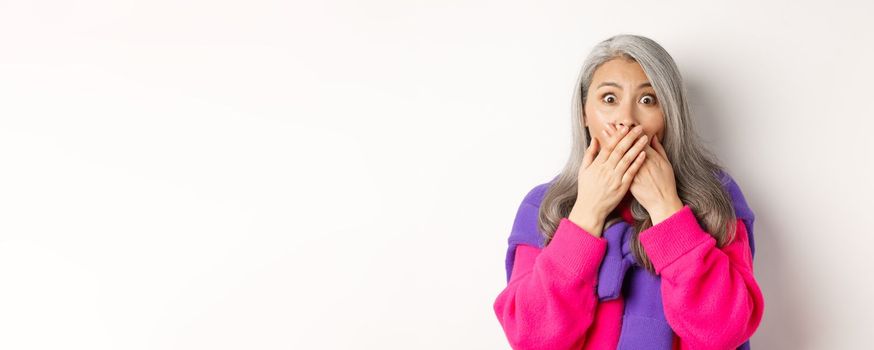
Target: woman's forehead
(621, 73)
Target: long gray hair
(695, 167)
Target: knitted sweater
(710, 295)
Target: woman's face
(621, 95)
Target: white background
(338, 175)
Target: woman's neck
(623, 209)
(625, 200)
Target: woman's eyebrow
(610, 83)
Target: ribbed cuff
(577, 250)
(670, 239)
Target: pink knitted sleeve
(550, 300)
(710, 296)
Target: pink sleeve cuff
(672, 238)
(579, 250)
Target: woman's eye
(609, 98)
(648, 99)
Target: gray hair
(695, 167)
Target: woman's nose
(629, 125)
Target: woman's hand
(654, 186)
(603, 180)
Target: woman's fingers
(657, 145)
(631, 155)
(590, 152)
(623, 145)
(632, 170)
(605, 148)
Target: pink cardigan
(711, 298)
